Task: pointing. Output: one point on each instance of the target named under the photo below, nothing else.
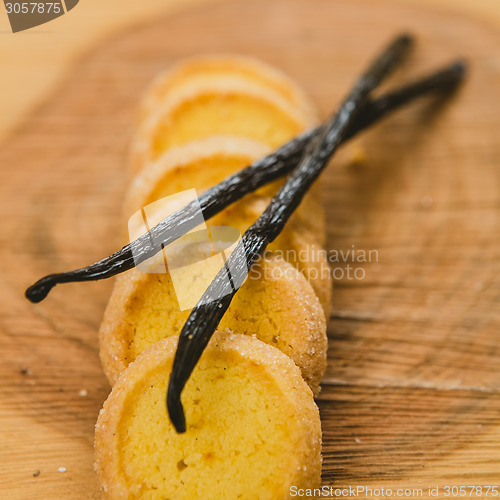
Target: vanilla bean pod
(233, 188)
(205, 317)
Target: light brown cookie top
(198, 164)
(253, 429)
(200, 109)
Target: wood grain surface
(411, 397)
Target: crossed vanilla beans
(234, 187)
(303, 158)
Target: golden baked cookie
(253, 429)
(204, 163)
(217, 66)
(198, 164)
(276, 304)
(200, 109)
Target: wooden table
(411, 395)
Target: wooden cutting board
(411, 397)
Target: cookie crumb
(83, 393)
(25, 371)
(358, 156)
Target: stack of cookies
(253, 429)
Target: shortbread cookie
(198, 164)
(201, 164)
(201, 109)
(276, 303)
(204, 163)
(253, 429)
(217, 66)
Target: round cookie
(198, 164)
(217, 66)
(276, 303)
(204, 163)
(199, 109)
(201, 164)
(253, 429)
